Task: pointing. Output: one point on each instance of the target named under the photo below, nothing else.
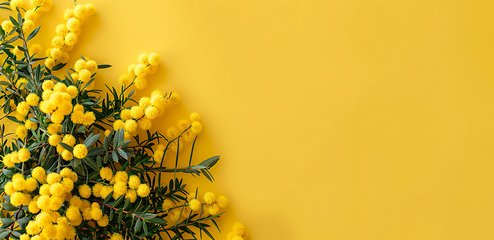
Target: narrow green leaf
(33, 33)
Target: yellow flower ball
(96, 213)
(69, 13)
(54, 128)
(92, 65)
(14, 4)
(57, 42)
(143, 190)
(53, 178)
(130, 70)
(134, 182)
(238, 229)
(106, 174)
(28, 26)
(116, 236)
(195, 117)
(70, 39)
(121, 176)
(80, 151)
(144, 102)
(46, 5)
(84, 75)
(61, 30)
(80, 64)
(9, 188)
(143, 58)
(222, 201)
(131, 195)
(175, 98)
(17, 198)
(47, 85)
(195, 205)
(7, 26)
(140, 70)
(30, 15)
(73, 24)
(107, 133)
(196, 127)
(33, 206)
(118, 124)
(68, 184)
(50, 63)
(145, 123)
(56, 203)
(39, 174)
(125, 114)
(97, 189)
(119, 189)
(152, 112)
(21, 132)
(32, 99)
(23, 154)
(158, 156)
(35, 49)
(214, 209)
(69, 140)
(172, 132)
(103, 222)
(209, 198)
(56, 53)
(31, 125)
(72, 91)
(130, 126)
(23, 108)
(54, 139)
(167, 204)
(80, 11)
(90, 9)
(73, 213)
(141, 83)
(84, 191)
(65, 57)
(154, 59)
(136, 112)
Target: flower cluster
(60, 178)
(238, 232)
(67, 34)
(137, 73)
(39, 6)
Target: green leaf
(69, 148)
(122, 153)
(118, 201)
(58, 66)
(4, 233)
(149, 216)
(127, 204)
(33, 33)
(90, 162)
(8, 172)
(96, 151)
(16, 233)
(7, 221)
(14, 21)
(138, 226)
(109, 197)
(159, 221)
(103, 66)
(210, 162)
(24, 220)
(114, 156)
(89, 142)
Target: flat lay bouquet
(82, 163)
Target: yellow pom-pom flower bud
(80, 151)
(143, 190)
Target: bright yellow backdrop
(334, 119)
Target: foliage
(71, 171)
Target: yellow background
(334, 119)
